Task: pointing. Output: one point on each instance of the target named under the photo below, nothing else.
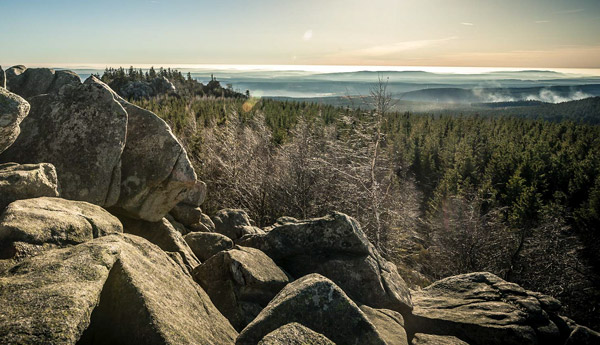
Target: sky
(462, 33)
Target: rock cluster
(103, 241)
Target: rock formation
(25, 181)
(13, 109)
(81, 131)
(240, 282)
(102, 241)
(336, 247)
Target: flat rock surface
(54, 221)
(481, 308)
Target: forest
(438, 194)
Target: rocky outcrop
(206, 244)
(30, 82)
(430, 339)
(294, 334)
(144, 89)
(163, 235)
(317, 303)
(336, 247)
(480, 308)
(118, 289)
(13, 109)
(234, 224)
(32, 225)
(81, 131)
(26, 181)
(155, 170)
(240, 282)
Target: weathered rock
(2, 78)
(30, 82)
(13, 109)
(317, 303)
(118, 289)
(163, 235)
(294, 334)
(81, 131)
(144, 89)
(583, 336)
(481, 308)
(30, 223)
(196, 195)
(26, 181)
(240, 282)
(430, 339)
(191, 217)
(178, 226)
(389, 324)
(206, 244)
(234, 224)
(336, 247)
(136, 90)
(155, 170)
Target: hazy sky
(495, 33)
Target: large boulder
(480, 308)
(155, 170)
(317, 303)
(294, 334)
(389, 324)
(26, 181)
(430, 339)
(336, 247)
(30, 82)
(80, 130)
(164, 235)
(240, 282)
(13, 109)
(206, 244)
(118, 289)
(234, 224)
(31, 225)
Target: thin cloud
(399, 47)
(467, 24)
(307, 35)
(542, 21)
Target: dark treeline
(439, 194)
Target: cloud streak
(467, 24)
(394, 49)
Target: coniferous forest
(438, 194)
